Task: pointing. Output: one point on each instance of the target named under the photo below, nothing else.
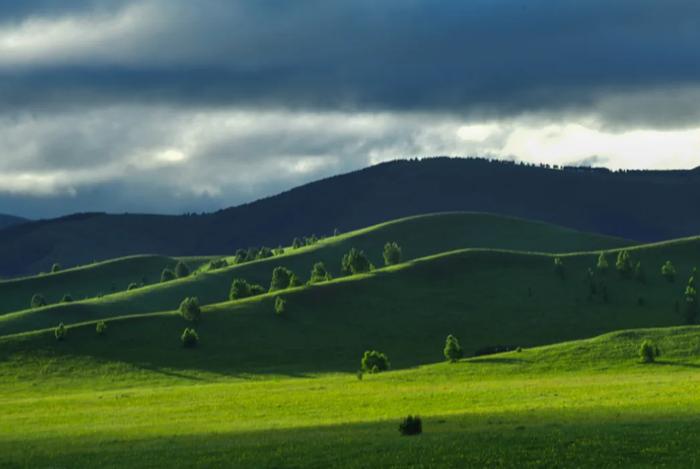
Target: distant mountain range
(638, 205)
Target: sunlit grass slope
(588, 403)
(418, 237)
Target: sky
(172, 106)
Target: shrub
(190, 310)
(264, 253)
(691, 301)
(67, 298)
(392, 254)
(648, 352)
(167, 275)
(295, 281)
(101, 328)
(411, 426)
(280, 278)
(297, 243)
(319, 273)
(189, 338)
(60, 332)
(256, 289)
(452, 351)
(668, 271)
(559, 267)
(38, 301)
(602, 265)
(336, 232)
(56, 268)
(218, 264)
(239, 289)
(355, 262)
(278, 251)
(280, 306)
(181, 270)
(251, 254)
(240, 256)
(624, 263)
(132, 286)
(374, 362)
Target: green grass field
(266, 391)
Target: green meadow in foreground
(586, 403)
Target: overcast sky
(174, 105)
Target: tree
(639, 274)
(355, 262)
(190, 310)
(602, 264)
(280, 306)
(624, 263)
(239, 289)
(295, 281)
(559, 267)
(240, 256)
(67, 298)
(167, 275)
(181, 270)
(101, 327)
(452, 351)
(60, 332)
(281, 277)
(265, 253)
(251, 254)
(38, 301)
(132, 286)
(691, 301)
(319, 273)
(648, 352)
(189, 338)
(374, 362)
(279, 250)
(336, 232)
(297, 243)
(668, 271)
(411, 426)
(392, 254)
(56, 267)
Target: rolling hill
(641, 205)
(10, 220)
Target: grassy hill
(418, 236)
(572, 404)
(642, 205)
(10, 220)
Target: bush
(411, 426)
(452, 351)
(648, 352)
(374, 362)
(624, 263)
(602, 265)
(280, 306)
(190, 310)
(218, 264)
(265, 253)
(67, 298)
(559, 267)
(355, 262)
(101, 328)
(319, 273)
(281, 277)
(189, 338)
(668, 271)
(181, 270)
(297, 243)
(132, 286)
(56, 268)
(242, 289)
(167, 275)
(256, 289)
(240, 256)
(295, 281)
(278, 251)
(38, 301)
(392, 254)
(60, 332)
(639, 274)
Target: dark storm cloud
(490, 58)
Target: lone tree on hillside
(60, 332)
(190, 310)
(452, 351)
(355, 262)
(281, 278)
(319, 273)
(374, 362)
(181, 270)
(38, 301)
(602, 265)
(691, 301)
(668, 271)
(101, 327)
(624, 263)
(559, 267)
(167, 275)
(56, 267)
(392, 254)
(648, 352)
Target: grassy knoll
(585, 403)
(418, 236)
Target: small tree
(452, 351)
(648, 352)
(668, 271)
(279, 250)
(355, 262)
(280, 306)
(265, 253)
(559, 267)
(189, 338)
(297, 243)
(181, 270)
(38, 301)
(240, 256)
(101, 327)
(60, 332)
(411, 426)
(602, 265)
(281, 277)
(392, 254)
(190, 310)
(691, 301)
(132, 286)
(319, 273)
(167, 275)
(374, 362)
(239, 289)
(67, 298)
(336, 232)
(623, 265)
(56, 267)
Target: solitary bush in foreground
(167, 275)
(319, 273)
(668, 271)
(374, 362)
(101, 328)
(181, 270)
(38, 301)
(452, 351)
(411, 426)
(280, 306)
(648, 352)
(67, 298)
(355, 262)
(392, 254)
(60, 332)
(190, 310)
(189, 338)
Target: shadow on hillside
(678, 364)
(498, 361)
